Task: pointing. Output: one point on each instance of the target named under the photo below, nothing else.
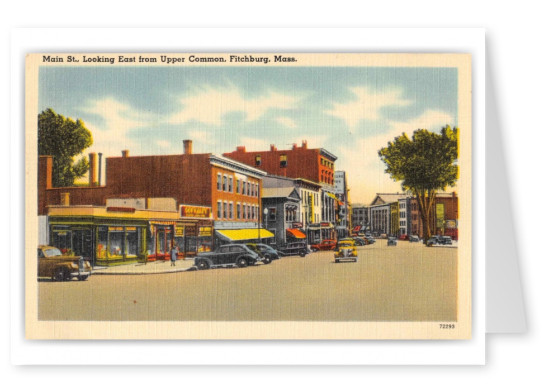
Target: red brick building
(444, 216)
(316, 164)
(227, 193)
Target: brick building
(444, 216)
(315, 164)
(197, 187)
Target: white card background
(262, 352)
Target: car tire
(59, 275)
(267, 260)
(314, 250)
(82, 278)
(302, 254)
(203, 265)
(337, 261)
(242, 262)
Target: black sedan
(268, 253)
(228, 255)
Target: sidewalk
(155, 267)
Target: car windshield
(51, 252)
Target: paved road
(405, 283)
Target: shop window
(132, 241)
(116, 241)
(272, 214)
(283, 161)
(61, 238)
(101, 252)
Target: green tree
(63, 138)
(425, 163)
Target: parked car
(414, 238)
(403, 237)
(433, 240)
(293, 248)
(53, 264)
(391, 241)
(445, 240)
(227, 255)
(360, 241)
(267, 252)
(346, 250)
(324, 245)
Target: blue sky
(350, 111)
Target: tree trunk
(425, 203)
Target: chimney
(125, 153)
(188, 147)
(93, 171)
(294, 146)
(45, 168)
(273, 148)
(241, 149)
(99, 168)
(304, 144)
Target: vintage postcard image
(248, 196)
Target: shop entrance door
(163, 243)
(82, 243)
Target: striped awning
(296, 233)
(244, 234)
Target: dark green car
(268, 253)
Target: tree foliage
(63, 138)
(425, 163)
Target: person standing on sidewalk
(173, 256)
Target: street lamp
(265, 218)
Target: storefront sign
(205, 231)
(179, 231)
(195, 211)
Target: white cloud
(288, 122)
(367, 105)
(432, 120)
(364, 168)
(209, 105)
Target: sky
(350, 111)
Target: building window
(225, 215)
(257, 160)
(238, 210)
(219, 209)
(230, 184)
(231, 211)
(238, 186)
(225, 183)
(219, 182)
(283, 161)
(272, 214)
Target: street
(408, 282)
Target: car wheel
(302, 254)
(82, 278)
(337, 261)
(202, 265)
(314, 250)
(267, 260)
(242, 262)
(59, 275)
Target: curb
(104, 273)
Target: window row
(225, 210)
(226, 183)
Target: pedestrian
(173, 256)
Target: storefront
(112, 236)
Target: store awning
(296, 233)
(244, 234)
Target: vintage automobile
(414, 238)
(445, 240)
(433, 240)
(360, 241)
(293, 248)
(266, 252)
(228, 255)
(324, 245)
(53, 264)
(346, 251)
(403, 237)
(391, 241)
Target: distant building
(344, 223)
